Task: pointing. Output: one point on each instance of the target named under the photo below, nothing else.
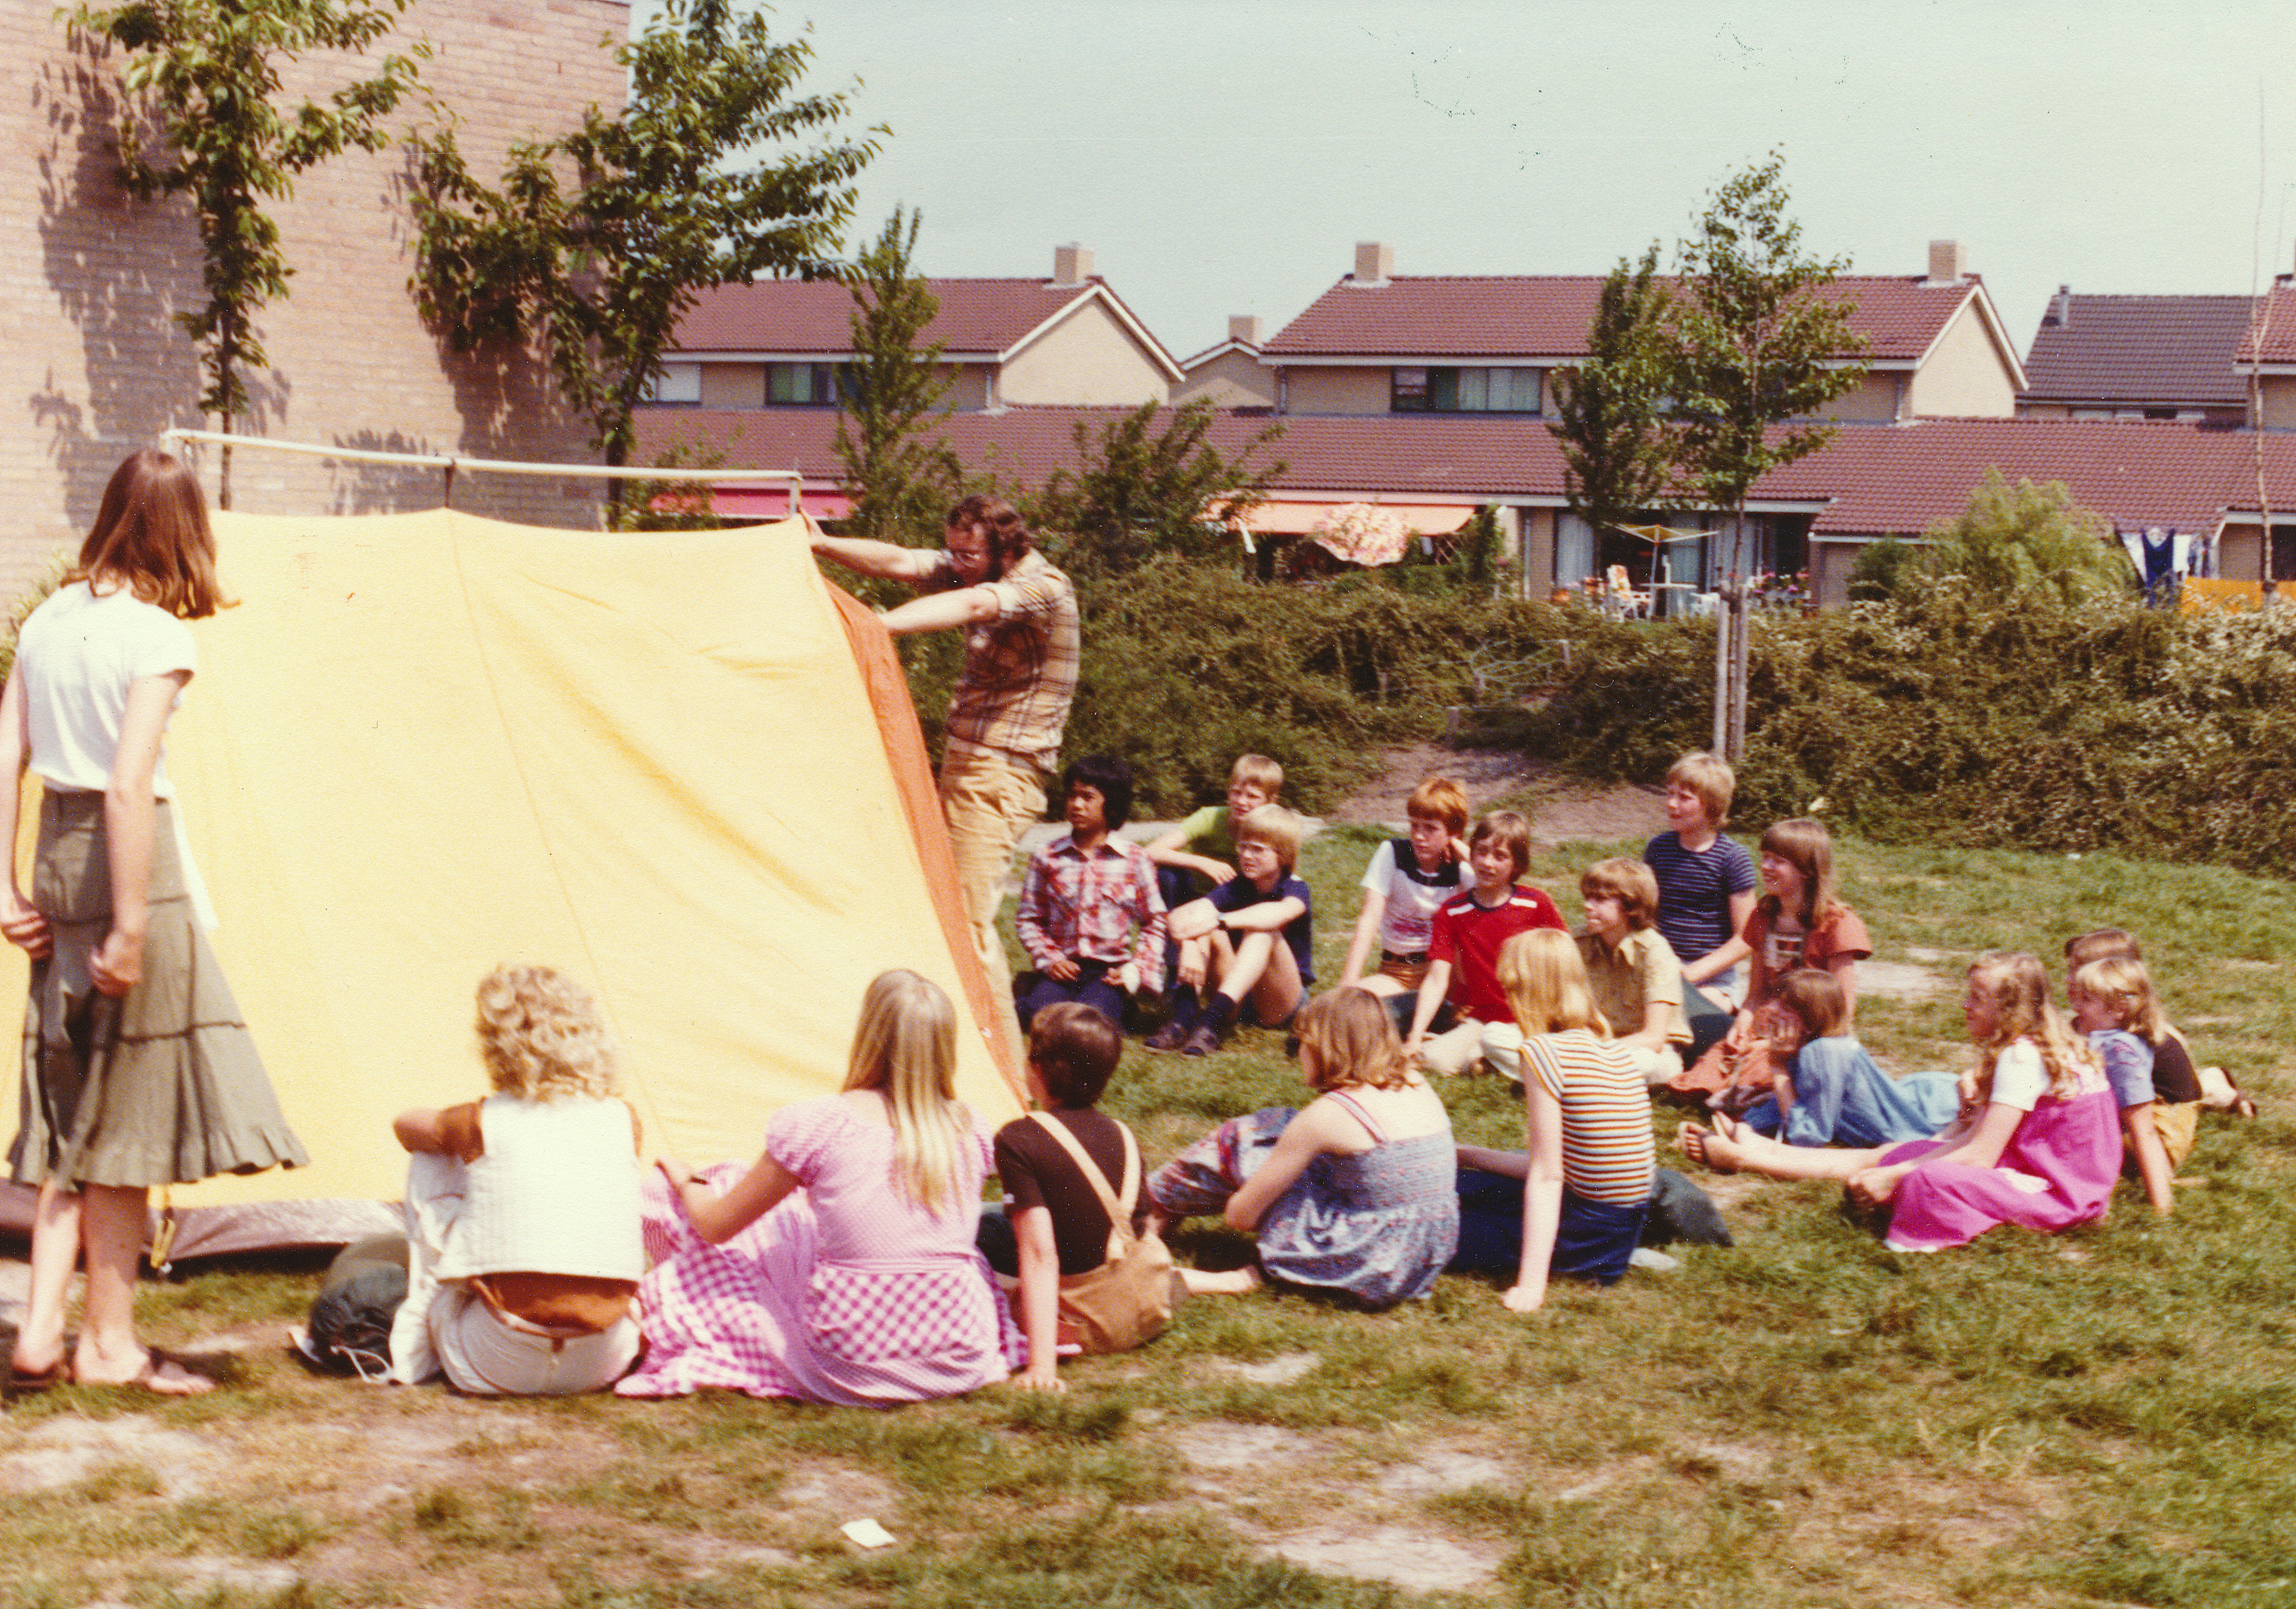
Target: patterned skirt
(162, 1085)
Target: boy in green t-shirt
(1199, 854)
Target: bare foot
(1701, 1145)
(154, 1372)
(1236, 1282)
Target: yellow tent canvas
(669, 764)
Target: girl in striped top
(1578, 1195)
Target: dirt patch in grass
(1562, 807)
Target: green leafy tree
(888, 396)
(1610, 410)
(1141, 490)
(1758, 343)
(600, 240)
(2029, 541)
(204, 75)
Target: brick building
(96, 367)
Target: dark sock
(1220, 1016)
(1187, 1007)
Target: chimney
(1245, 327)
(1948, 262)
(2061, 308)
(1071, 263)
(1375, 262)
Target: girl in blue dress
(1354, 1194)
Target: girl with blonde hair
(523, 1207)
(1573, 1201)
(2040, 1145)
(839, 1267)
(1352, 1194)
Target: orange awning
(1299, 518)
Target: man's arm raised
(888, 560)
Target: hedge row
(1947, 716)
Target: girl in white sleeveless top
(523, 1208)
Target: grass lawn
(2107, 1417)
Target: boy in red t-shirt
(1464, 952)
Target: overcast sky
(1224, 155)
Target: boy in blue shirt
(1250, 939)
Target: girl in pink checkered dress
(839, 1267)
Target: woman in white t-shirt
(138, 1069)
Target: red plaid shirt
(1085, 907)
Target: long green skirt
(162, 1085)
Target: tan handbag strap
(1120, 1212)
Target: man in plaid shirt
(1090, 917)
(1012, 701)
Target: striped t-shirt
(1607, 1152)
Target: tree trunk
(1739, 642)
(1722, 666)
(223, 470)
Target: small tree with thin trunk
(1141, 490)
(203, 77)
(893, 391)
(1610, 410)
(1758, 344)
(600, 240)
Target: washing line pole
(448, 464)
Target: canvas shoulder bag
(1128, 1300)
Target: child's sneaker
(1203, 1042)
(1171, 1036)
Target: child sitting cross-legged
(1464, 952)
(1056, 1166)
(1705, 891)
(1090, 917)
(1407, 881)
(1250, 941)
(523, 1207)
(1835, 1094)
(1573, 1200)
(2179, 1089)
(1354, 1194)
(1636, 981)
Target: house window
(801, 385)
(1446, 390)
(676, 383)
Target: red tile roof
(976, 316)
(2279, 320)
(1547, 316)
(1869, 480)
(2131, 350)
(1902, 479)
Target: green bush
(1958, 715)
(1188, 664)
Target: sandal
(31, 1383)
(155, 1377)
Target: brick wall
(93, 367)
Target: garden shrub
(1188, 664)
(1957, 715)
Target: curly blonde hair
(542, 1038)
(2018, 986)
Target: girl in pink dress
(2040, 1145)
(839, 1267)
